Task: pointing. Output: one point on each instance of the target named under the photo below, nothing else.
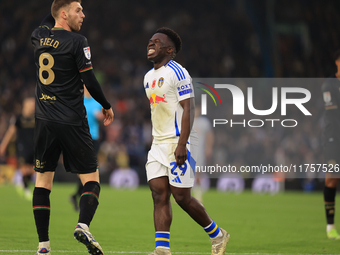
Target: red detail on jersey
(153, 84)
(155, 100)
(85, 69)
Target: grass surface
(289, 223)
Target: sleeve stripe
(175, 72)
(180, 69)
(85, 69)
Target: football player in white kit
(171, 160)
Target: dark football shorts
(331, 152)
(25, 153)
(75, 142)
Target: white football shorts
(161, 162)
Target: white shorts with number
(161, 162)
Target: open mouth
(151, 51)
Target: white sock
(44, 245)
(208, 225)
(163, 247)
(330, 227)
(84, 226)
(219, 234)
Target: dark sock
(88, 202)
(41, 211)
(26, 179)
(329, 197)
(80, 189)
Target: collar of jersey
(167, 63)
(57, 28)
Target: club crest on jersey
(153, 84)
(160, 82)
(87, 53)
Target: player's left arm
(188, 116)
(97, 113)
(96, 92)
(84, 64)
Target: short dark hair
(174, 37)
(58, 4)
(336, 55)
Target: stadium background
(234, 38)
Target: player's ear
(170, 50)
(63, 14)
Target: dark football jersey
(25, 132)
(60, 56)
(331, 97)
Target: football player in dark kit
(63, 62)
(23, 126)
(331, 144)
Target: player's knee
(182, 199)
(331, 182)
(160, 196)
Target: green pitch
(289, 223)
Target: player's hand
(108, 114)
(180, 154)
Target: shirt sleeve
(184, 88)
(83, 55)
(94, 88)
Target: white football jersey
(165, 88)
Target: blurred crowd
(220, 39)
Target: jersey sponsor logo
(153, 84)
(155, 100)
(184, 89)
(160, 82)
(87, 53)
(47, 97)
